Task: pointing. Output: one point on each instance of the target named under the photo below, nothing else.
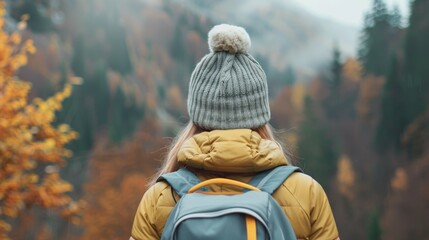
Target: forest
(92, 92)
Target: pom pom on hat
(229, 38)
(228, 87)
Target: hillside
(358, 125)
(281, 31)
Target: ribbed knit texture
(228, 91)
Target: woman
(229, 136)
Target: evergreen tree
(78, 60)
(290, 76)
(117, 52)
(379, 39)
(336, 69)
(373, 228)
(416, 72)
(161, 92)
(332, 103)
(101, 94)
(391, 123)
(315, 148)
(92, 59)
(177, 47)
(76, 116)
(124, 116)
(396, 18)
(116, 124)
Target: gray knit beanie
(228, 88)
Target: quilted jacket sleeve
(144, 221)
(323, 225)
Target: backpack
(251, 214)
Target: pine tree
(378, 40)
(290, 76)
(416, 72)
(336, 69)
(116, 124)
(391, 124)
(92, 59)
(177, 47)
(405, 95)
(124, 116)
(101, 94)
(374, 229)
(315, 148)
(332, 103)
(118, 56)
(396, 18)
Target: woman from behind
(228, 136)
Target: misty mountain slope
(281, 31)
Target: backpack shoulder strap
(269, 180)
(181, 180)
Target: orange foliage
(416, 134)
(409, 201)
(345, 177)
(288, 105)
(400, 180)
(195, 45)
(175, 98)
(299, 92)
(281, 107)
(118, 177)
(352, 70)
(28, 140)
(351, 75)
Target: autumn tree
(346, 177)
(370, 89)
(32, 149)
(117, 179)
(408, 199)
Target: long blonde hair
(171, 164)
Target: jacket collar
(233, 151)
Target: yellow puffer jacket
(239, 154)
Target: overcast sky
(350, 12)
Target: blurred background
(348, 80)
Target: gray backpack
(248, 215)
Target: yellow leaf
(346, 176)
(4, 226)
(25, 17)
(29, 46)
(400, 180)
(15, 38)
